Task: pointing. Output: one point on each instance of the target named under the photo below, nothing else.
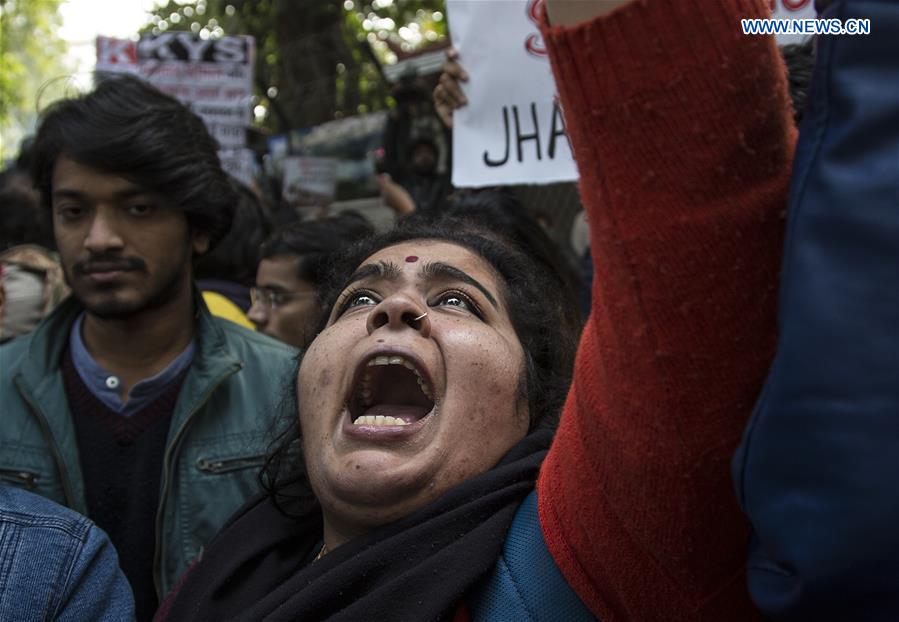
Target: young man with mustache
(130, 403)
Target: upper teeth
(379, 420)
(391, 360)
(366, 392)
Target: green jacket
(221, 426)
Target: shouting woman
(430, 485)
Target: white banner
(240, 164)
(511, 131)
(309, 180)
(212, 76)
(116, 55)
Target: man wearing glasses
(295, 262)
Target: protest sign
(240, 164)
(213, 76)
(116, 55)
(309, 180)
(512, 130)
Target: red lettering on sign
(534, 42)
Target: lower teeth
(379, 420)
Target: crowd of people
(208, 416)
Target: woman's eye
(360, 300)
(452, 299)
(355, 299)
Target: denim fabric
(818, 470)
(56, 565)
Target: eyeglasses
(274, 299)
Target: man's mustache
(109, 263)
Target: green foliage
(388, 26)
(316, 60)
(32, 71)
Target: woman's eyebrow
(382, 270)
(440, 270)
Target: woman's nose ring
(414, 321)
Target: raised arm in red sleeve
(682, 129)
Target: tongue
(406, 412)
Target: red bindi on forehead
(411, 259)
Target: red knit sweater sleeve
(683, 135)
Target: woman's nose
(398, 312)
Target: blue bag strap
(526, 584)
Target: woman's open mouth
(390, 390)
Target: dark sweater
(121, 460)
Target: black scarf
(418, 568)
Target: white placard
(240, 164)
(116, 55)
(309, 178)
(511, 131)
(212, 76)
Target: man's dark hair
(314, 241)
(237, 254)
(535, 310)
(22, 221)
(129, 128)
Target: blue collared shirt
(106, 386)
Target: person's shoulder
(13, 358)
(219, 306)
(51, 328)
(27, 509)
(253, 342)
(12, 352)
(16, 346)
(66, 567)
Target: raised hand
(448, 93)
